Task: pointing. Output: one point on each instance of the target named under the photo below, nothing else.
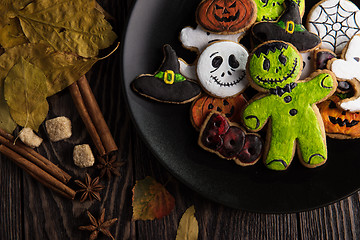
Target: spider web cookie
(335, 22)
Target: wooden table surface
(30, 211)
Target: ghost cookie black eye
(266, 64)
(233, 62)
(217, 61)
(282, 59)
(357, 59)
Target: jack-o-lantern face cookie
(289, 104)
(228, 140)
(287, 28)
(230, 107)
(221, 69)
(339, 123)
(226, 16)
(271, 10)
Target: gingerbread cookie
(230, 107)
(274, 68)
(271, 10)
(228, 140)
(335, 22)
(226, 16)
(287, 28)
(167, 84)
(197, 39)
(348, 68)
(221, 69)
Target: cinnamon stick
(80, 106)
(33, 156)
(92, 116)
(39, 174)
(96, 115)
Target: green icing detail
(303, 128)
(298, 27)
(177, 77)
(272, 10)
(277, 70)
(342, 96)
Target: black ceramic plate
(168, 132)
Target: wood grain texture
(30, 211)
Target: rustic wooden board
(30, 211)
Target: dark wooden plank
(11, 218)
(337, 221)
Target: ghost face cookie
(288, 105)
(348, 68)
(270, 10)
(226, 16)
(335, 22)
(221, 69)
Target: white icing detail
(225, 79)
(199, 39)
(349, 68)
(188, 71)
(308, 67)
(335, 22)
(352, 106)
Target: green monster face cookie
(270, 10)
(275, 64)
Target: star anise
(90, 188)
(109, 167)
(99, 225)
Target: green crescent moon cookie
(288, 105)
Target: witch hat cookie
(167, 84)
(287, 28)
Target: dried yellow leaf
(25, 92)
(188, 227)
(6, 122)
(60, 69)
(67, 25)
(11, 34)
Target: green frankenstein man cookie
(288, 105)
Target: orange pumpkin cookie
(231, 107)
(339, 123)
(226, 16)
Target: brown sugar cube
(30, 139)
(58, 128)
(83, 156)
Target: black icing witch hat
(287, 28)
(167, 84)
